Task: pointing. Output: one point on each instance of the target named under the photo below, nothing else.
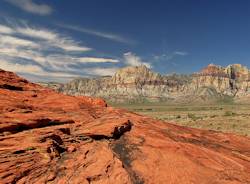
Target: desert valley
(216, 98)
(124, 92)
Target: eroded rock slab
(46, 137)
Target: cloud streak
(181, 53)
(37, 33)
(12, 41)
(109, 36)
(45, 54)
(101, 71)
(31, 7)
(96, 60)
(52, 38)
(5, 29)
(169, 56)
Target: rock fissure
(39, 123)
(11, 87)
(123, 152)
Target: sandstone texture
(140, 84)
(48, 137)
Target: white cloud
(52, 38)
(33, 70)
(181, 53)
(56, 62)
(15, 67)
(41, 75)
(169, 56)
(21, 53)
(133, 60)
(31, 7)
(69, 45)
(96, 60)
(34, 52)
(16, 42)
(101, 71)
(37, 33)
(65, 62)
(5, 29)
(110, 36)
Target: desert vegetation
(233, 118)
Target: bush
(178, 116)
(192, 116)
(30, 148)
(229, 113)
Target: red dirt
(46, 137)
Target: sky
(58, 40)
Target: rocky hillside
(234, 80)
(130, 84)
(48, 137)
(212, 84)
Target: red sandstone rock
(214, 70)
(93, 101)
(46, 137)
(71, 149)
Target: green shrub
(178, 116)
(192, 116)
(30, 148)
(229, 113)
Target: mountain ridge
(139, 84)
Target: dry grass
(225, 118)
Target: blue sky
(54, 40)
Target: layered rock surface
(141, 84)
(234, 80)
(130, 84)
(47, 137)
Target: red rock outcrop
(46, 137)
(214, 70)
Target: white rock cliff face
(132, 84)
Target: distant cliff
(233, 80)
(140, 84)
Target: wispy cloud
(101, 71)
(15, 67)
(11, 41)
(169, 56)
(180, 53)
(5, 30)
(37, 33)
(109, 36)
(133, 60)
(33, 70)
(96, 60)
(65, 62)
(52, 38)
(31, 7)
(34, 51)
